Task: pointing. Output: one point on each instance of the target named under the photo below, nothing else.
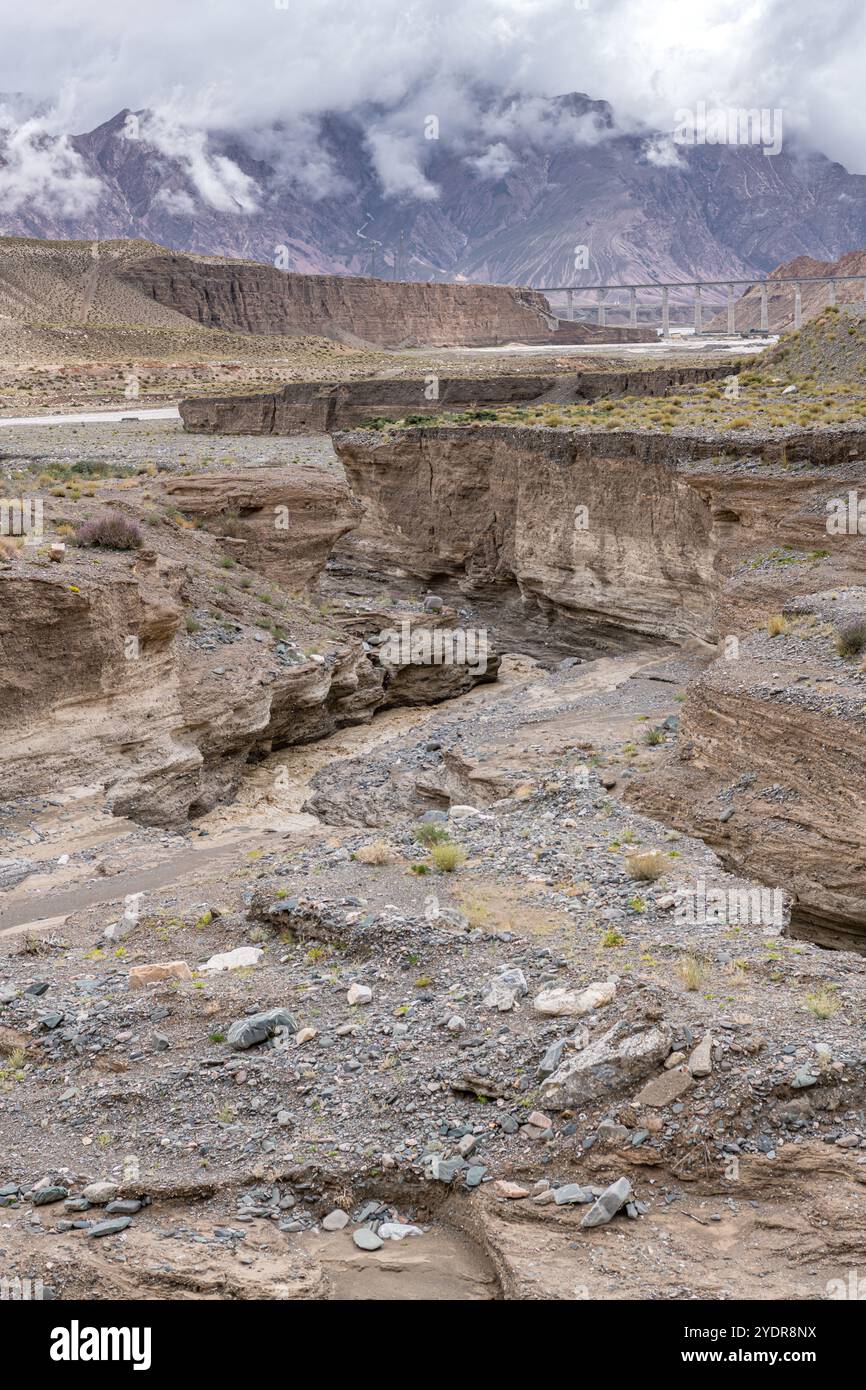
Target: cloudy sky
(241, 64)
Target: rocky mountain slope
(507, 208)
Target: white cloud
(396, 161)
(216, 179)
(40, 170)
(496, 161)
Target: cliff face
(245, 297)
(616, 535)
(311, 407)
(680, 542)
(147, 674)
(770, 767)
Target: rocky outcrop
(770, 766)
(160, 724)
(282, 522)
(119, 671)
(307, 407)
(247, 297)
(609, 536)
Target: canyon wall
(312, 407)
(620, 535)
(246, 297)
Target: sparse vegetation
(646, 864)
(113, 531)
(447, 857)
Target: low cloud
(40, 170)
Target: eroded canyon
(533, 938)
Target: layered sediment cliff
(304, 407)
(247, 297)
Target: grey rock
(365, 1239)
(609, 1203)
(335, 1221)
(258, 1028)
(623, 1054)
(110, 1228)
(46, 1195)
(552, 1058)
(570, 1193)
(100, 1193)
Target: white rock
(505, 989)
(235, 960)
(395, 1230)
(573, 1003)
(359, 994)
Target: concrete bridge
(697, 287)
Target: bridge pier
(666, 316)
(600, 297)
(698, 321)
(570, 300)
(732, 311)
(831, 292)
(632, 306)
(765, 317)
(798, 308)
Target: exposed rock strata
(283, 522)
(770, 767)
(247, 297)
(620, 536)
(304, 407)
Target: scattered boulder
(505, 989)
(259, 1028)
(99, 1194)
(626, 1053)
(574, 1003)
(140, 976)
(665, 1088)
(612, 1200)
(359, 994)
(237, 959)
(701, 1060)
(366, 1239)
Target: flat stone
(701, 1060)
(110, 1228)
(140, 976)
(665, 1088)
(570, 1193)
(335, 1221)
(612, 1200)
(365, 1239)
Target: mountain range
(352, 194)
